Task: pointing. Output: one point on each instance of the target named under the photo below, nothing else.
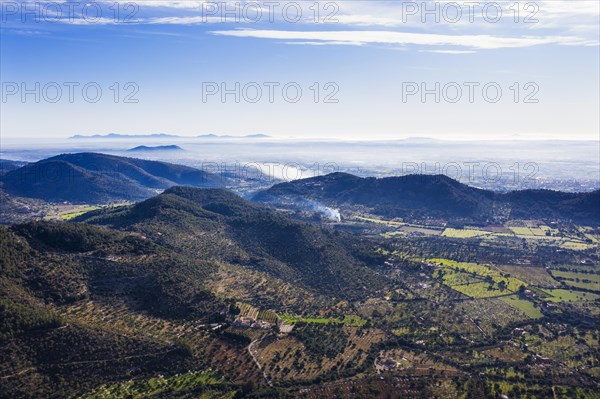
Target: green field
(525, 306)
(576, 245)
(488, 282)
(479, 290)
(588, 281)
(69, 216)
(68, 212)
(464, 233)
(561, 295)
(522, 231)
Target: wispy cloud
(388, 23)
(406, 38)
(449, 51)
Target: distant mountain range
(164, 136)
(248, 136)
(158, 148)
(100, 178)
(124, 136)
(434, 196)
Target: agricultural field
(67, 211)
(399, 229)
(562, 295)
(381, 221)
(590, 233)
(404, 231)
(532, 275)
(475, 290)
(464, 233)
(525, 306)
(578, 245)
(523, 231)
(424, 230)
(589, 281)
(549, 230)
(491, 282)
(534, 231)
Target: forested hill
(217, 224)
(100, 178)
(435, 196)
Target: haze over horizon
(266, 137)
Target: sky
(302, 69)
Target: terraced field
(231, 359)
(118, 316)
(248, 310)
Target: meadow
(525, 306)
(562, 295)
(590, 281)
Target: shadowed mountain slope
(100, 178)
(434, 196)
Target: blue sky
(370, 54)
